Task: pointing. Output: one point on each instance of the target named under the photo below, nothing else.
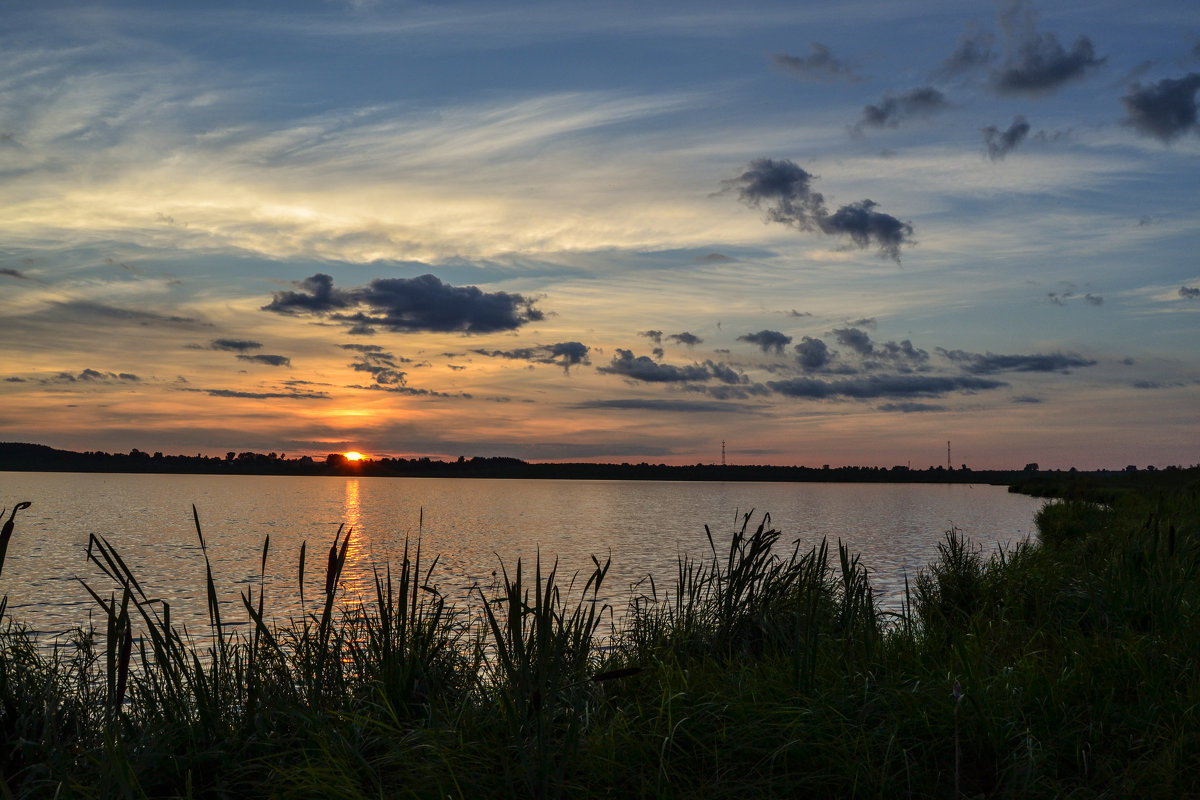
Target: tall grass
(1063, 667)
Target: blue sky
(825, 232)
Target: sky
(840, 232)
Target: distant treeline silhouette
(40, 458)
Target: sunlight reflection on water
(472, 526)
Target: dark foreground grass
(1065, 668)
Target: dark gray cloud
(902, 355)
(92, 376)
(686, 338)
(922, 101)
(235, 345)
(714, 258)
(14, 273)
(1026, 398)
(974, 51)
(381, 365)
(767, 340)
(261, 395)
(423, 303)
(269, 360)
(564, 354)
(1000, 143)
(1165, 110)
(1093, 299)
(1189, 292)
(785, 190)
(370, 348)
(813, 354)
(911, 408)
(654, 336)
(820, 65)
(856, 340)
(726, 391)
(866, 226)
(674, 406)
(411, 391)
(879, 386)
(988, 363)
(1036, 63)
(642, 368)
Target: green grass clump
(1065, 667)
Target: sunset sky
(825, 232)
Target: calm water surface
(472, 525)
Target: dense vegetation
(1062, 668)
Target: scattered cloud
(1189, 292)
(988, 363)
(1165, 110)
(685, 338)
(269, 360)
(974, 51)
(232, 393)
(235, 345)
(767, 340)
(423, 303)
(902, 355)
(910, 408)
(674, 406)
(785, 189)
(381, 365)
(923, 101)
(820, 65)
(813, 354)
(654, 336)
(1037, 63)
(14, 273)
(91, 376)
(1000, 143)
(856, 340)
(642, 368)
(877, 386)
(564, 354)
(411, 391)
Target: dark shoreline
(23, 457)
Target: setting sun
(353, 456)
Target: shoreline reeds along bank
(1061, 667)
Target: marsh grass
(1063, 667)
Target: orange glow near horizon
(353, 455)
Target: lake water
(472, 525)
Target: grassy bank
(1062, 669)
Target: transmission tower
(722, 452)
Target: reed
(1065, 667)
